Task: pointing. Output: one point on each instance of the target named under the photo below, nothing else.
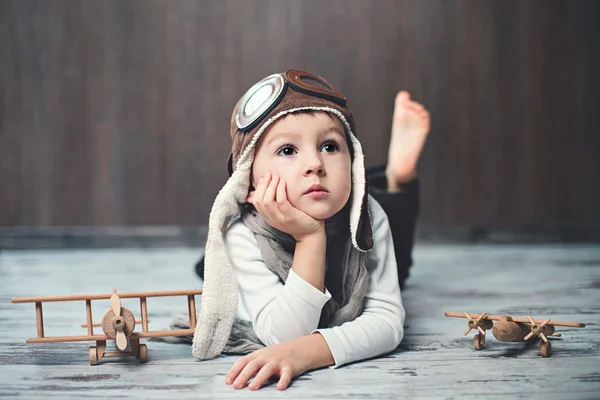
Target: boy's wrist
(313, 237)
(315, 351)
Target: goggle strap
(315, 93)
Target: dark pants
(402, 209)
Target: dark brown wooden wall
(117, 112)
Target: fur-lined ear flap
(230, 164)
(364, 232)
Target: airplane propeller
(118, 322)
(475, 323)
(537, 329)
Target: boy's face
(307, 150)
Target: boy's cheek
(254, 178)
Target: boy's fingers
(263, 183)
(286, 378)
(282, 199)
(281, 193)
(235, 370)
(249, 370)
(271, 191)
(263, 375)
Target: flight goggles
(265, 95)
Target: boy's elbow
(395, 321)
(271, 334)
(398, 335)
(395, 336)
(265, 333)
(398, 325)
(390, 329)
(269, 340)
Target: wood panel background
(116, 112)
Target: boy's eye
(330, 147)
(286, 151)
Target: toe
(413, 106)
(402, 97)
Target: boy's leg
(395, 186)
(402, 209)
(410, 127)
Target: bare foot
(410, 127)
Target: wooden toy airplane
(118, 323)
(509, 329)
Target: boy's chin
(321, 213)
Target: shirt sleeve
(278, 311)
(379, 329)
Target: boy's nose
(315, 167)
(318, 170)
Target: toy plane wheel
(545, 348)
(478, 341)
(143, 353)
(93, 355)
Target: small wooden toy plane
(509, 329)
(118, 323)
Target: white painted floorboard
(435, 360)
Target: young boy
(295, 234)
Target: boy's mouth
(316, 191)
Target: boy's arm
(309, 259)
(379, 329)
(278, 311)
(271, 202)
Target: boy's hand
(270, 200)
(285, 360)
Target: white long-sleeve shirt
(284, 311)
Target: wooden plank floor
(434, 361)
